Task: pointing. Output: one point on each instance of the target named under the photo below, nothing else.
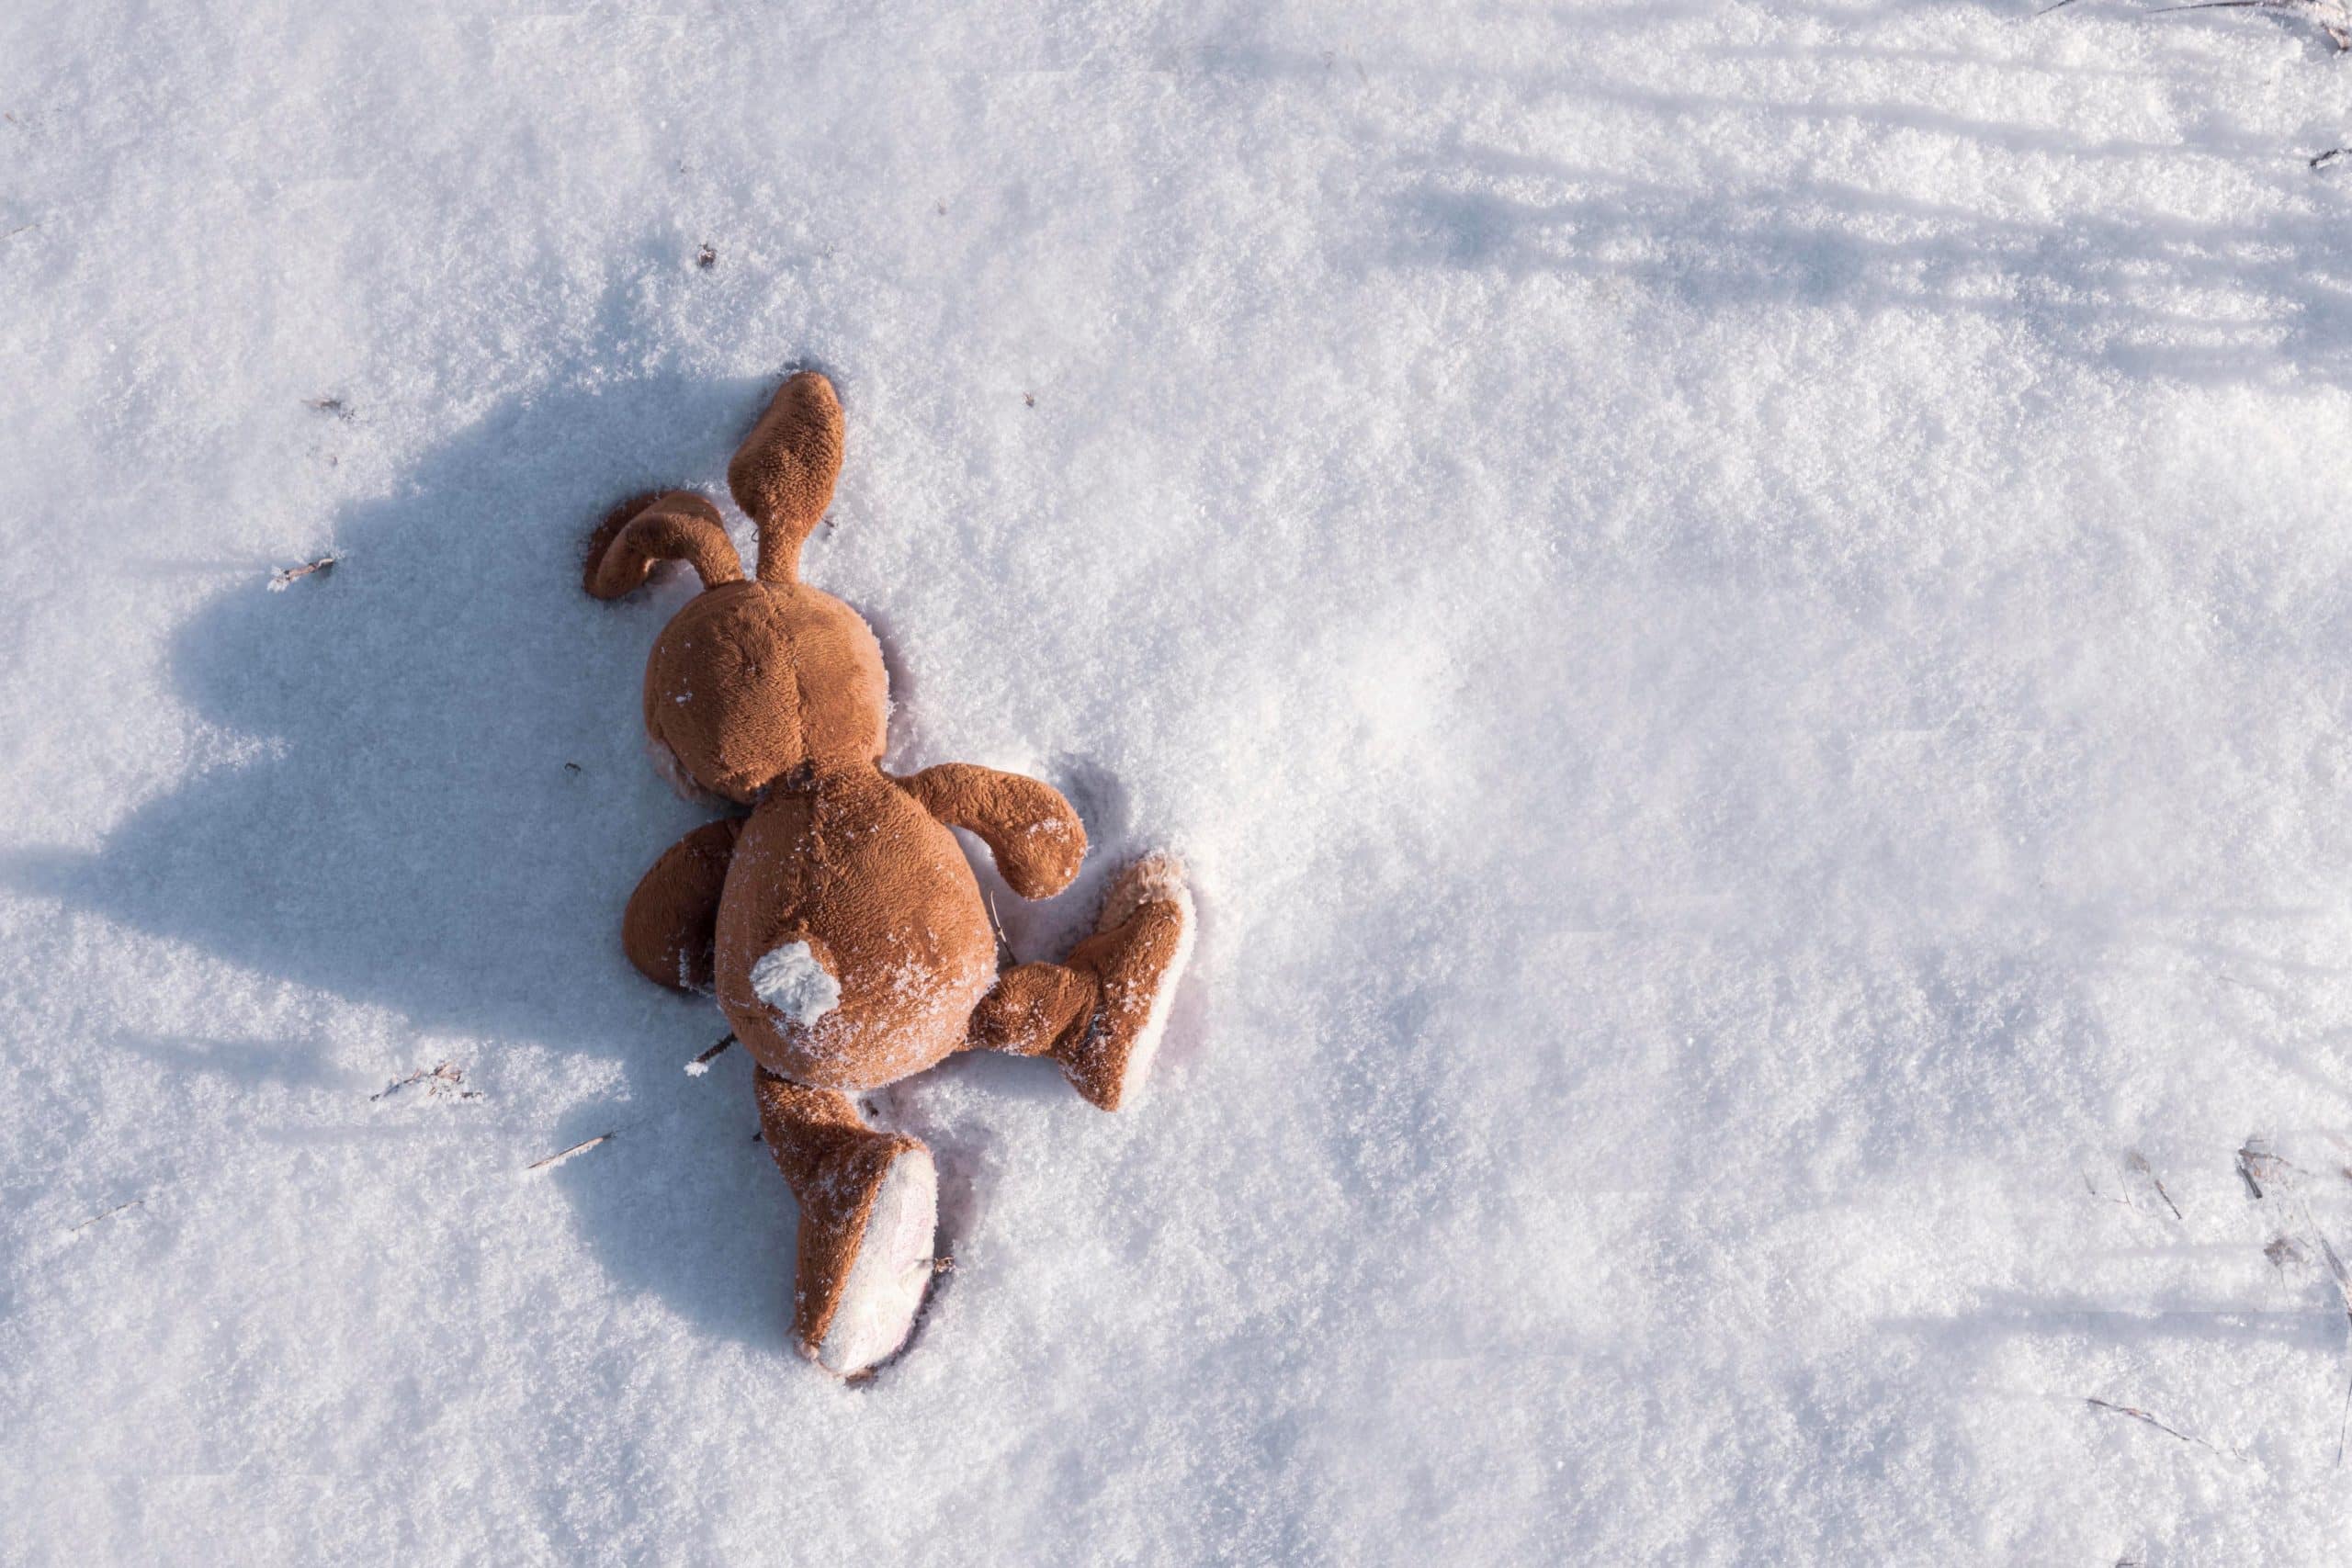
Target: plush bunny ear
(783, 474)
(642, 532)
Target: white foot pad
(1157, 877)
(893, 1271)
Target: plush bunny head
(756, 684)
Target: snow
(792, 980)
(1740, 610)
(673, 772)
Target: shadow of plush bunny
(452, 807)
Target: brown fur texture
(1127, 961)
(642, 533)
(1031, 1007)
(1037, 839)
(757, 684)
(670, 929)
(834, 1163)
(839, 924)
(854, 866)
(783, 474)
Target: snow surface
(1741, 611)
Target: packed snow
(1740, 610)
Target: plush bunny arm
(1036, 838)
(671, 927)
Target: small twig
(1003, 946)
(2283, 1250)
(285, 576)
(19, 229)
(334, 406)
(2138, 1162)
(2092, 1188)
(446, 1078)
(2138, 1414)
(2245, 1174)
(2316, 11)
(2333, 153)
(119, 1208)
(2336, 30)
(2257, 1164)
(701, 1064)
(559, 1158)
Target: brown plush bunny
(838, 923)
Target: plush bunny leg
(672, 924)
(869, 1207)
(1031, 1008)
(1099, 1012)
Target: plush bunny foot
(869, 1206)
(873, 1249)
(1138, 956)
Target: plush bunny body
(878, 890)
(839, 923)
